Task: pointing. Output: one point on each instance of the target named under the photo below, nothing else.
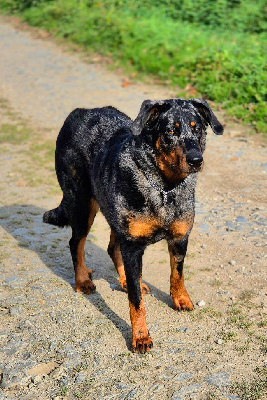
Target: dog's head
(176, 130)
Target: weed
(229, 336)
(215, 283)
(253, 390)
(64, 391)
(209, 311)
(3, 256)
(246, 295)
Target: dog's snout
(194, 158)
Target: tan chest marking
(143, 227)
(180, 228)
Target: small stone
(132, 394)
(13, 311)
(218, 379)
(182, 329)
(112, 286)
(183, 376)
(80, 377)
(232, 262)
(219, 341)
(36, 379)
(186, 390)
(203, 246)
(201, 303)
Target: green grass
(37, 165)
(215, 50)
(15, 134)
(254, 389)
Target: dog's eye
(195, 128)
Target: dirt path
(56, 343)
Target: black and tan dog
(142, 175)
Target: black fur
(142, 174)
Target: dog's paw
(83, 282)
(86, 286)
(182, 303)
(142, 345)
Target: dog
(142, 175)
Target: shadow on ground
(24, 223)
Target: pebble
(80, 377)
(182, 329)
(14, 311)
(219, 341)
(184, 376)
(186, 390)
(232, 262)
(218, 379)
(201, 303)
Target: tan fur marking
(141, 341)
(73, 171)
(143, 227)
(180, 297)
(180, 228)
(117, 260)
(83, 282)
(94, 207)
(175, 158)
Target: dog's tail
(56, 217)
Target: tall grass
(216, 46)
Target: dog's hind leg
(180, 297)
(82, 220)
(115, 254)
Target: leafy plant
(216, 49)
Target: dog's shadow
(24, 223)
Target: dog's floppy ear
(148, 115)
(205, 111)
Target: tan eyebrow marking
(192, 123)
(177, 124)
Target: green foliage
(217, 46)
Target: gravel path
(56, 343)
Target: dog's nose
(194, 158)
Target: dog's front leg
(177, 250)
(132, 257)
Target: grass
(216, 50)
(253, 390)
(36, 155)
(15, 134)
